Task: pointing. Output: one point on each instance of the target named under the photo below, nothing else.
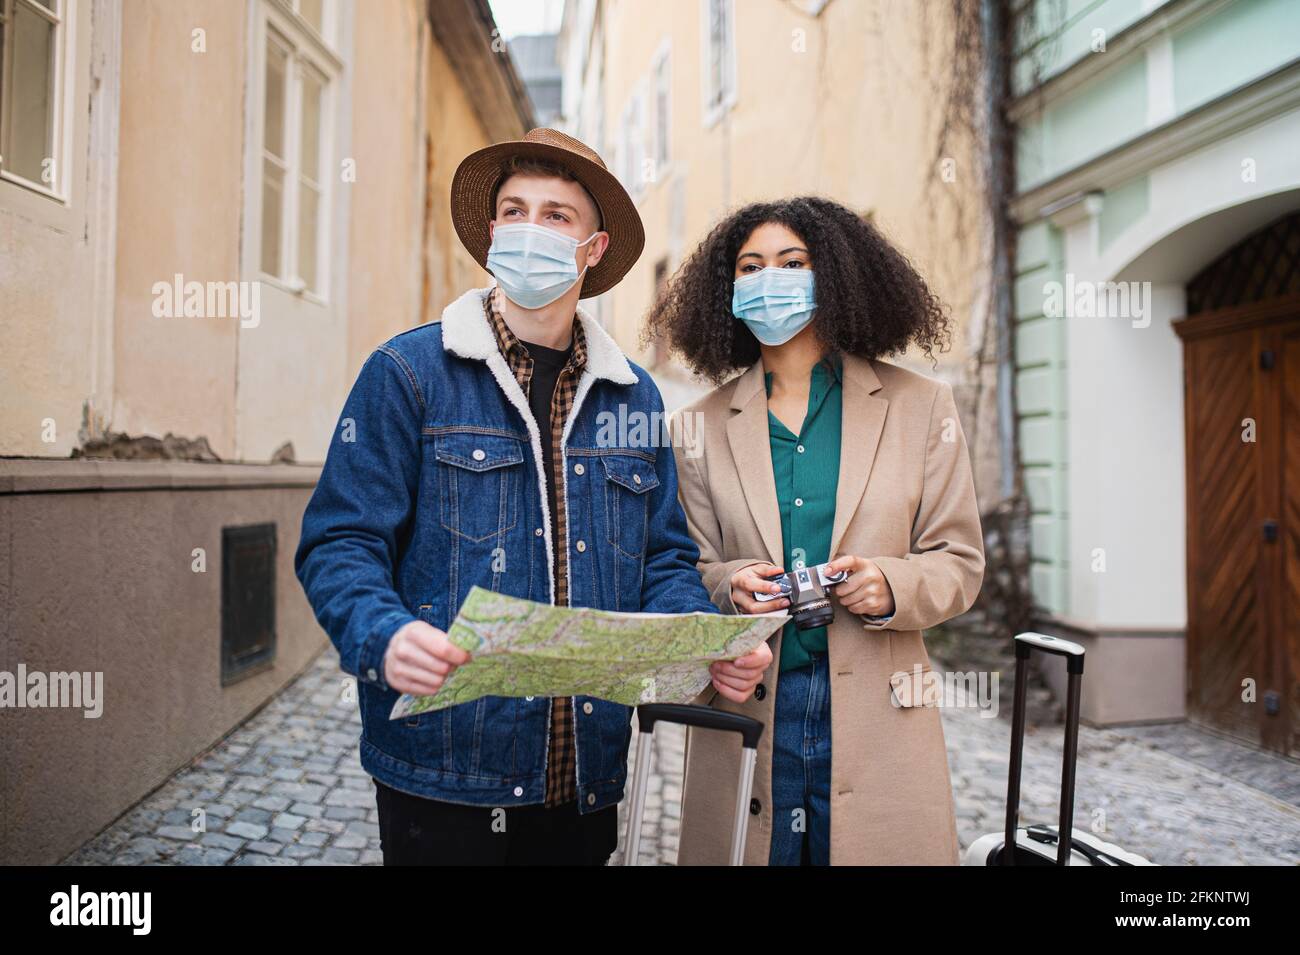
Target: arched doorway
(1241, 367)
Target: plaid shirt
(561, 762)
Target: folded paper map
(523, 648)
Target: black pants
(418, 831)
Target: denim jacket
(434, 483)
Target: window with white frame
(661, 73)
(33, 45)
(719, 58)
(632, 137)
(299, 73)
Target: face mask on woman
(775, 304)
(534, 265)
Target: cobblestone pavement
(286, 788)
(1174, 794)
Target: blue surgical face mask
(534, 265)
(774, 303)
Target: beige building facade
(702, 106)
(210, 214)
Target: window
(632, 135)
(719, 58)
(298, 73)
(32, 44)
(662, 78)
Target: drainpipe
(997, 157)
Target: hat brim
(471, 207)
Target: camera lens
(813, 614)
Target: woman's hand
(866, 591)
(735, 679)
(749, 581)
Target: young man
(470, 452)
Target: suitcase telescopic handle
(1026, 644)
(704, 717)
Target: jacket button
(539, 532)
(582, 546)
(578, 469)
(586, 708)
(371, 674)
(591, 799)
(755, 807)
(519, 790)
(529, 699)
(479, 454)
(636, 479)
(760, 691)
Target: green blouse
(806, 467)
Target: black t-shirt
(547, 365)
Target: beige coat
(906, 500)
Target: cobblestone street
(286, 788)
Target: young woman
(820, 450)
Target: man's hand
(736, 679)
(420, 658)
(748, 581)
(866, 591)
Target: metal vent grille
(247, 601)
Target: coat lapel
(748, 435)
(863, 422)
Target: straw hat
(477, 177)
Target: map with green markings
(523, 648)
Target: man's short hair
(531, 166)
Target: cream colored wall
(852, 117)
(454, 132)
(179, 196)
(408, 263)
(384, 232)
(185, 191)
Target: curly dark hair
(871, 302)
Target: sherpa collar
(466, 332)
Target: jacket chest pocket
(628, 479)
(479, 481)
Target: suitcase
(703, 717)
(1046, 845)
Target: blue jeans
(801, 766)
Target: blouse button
(799, 448)
(798, 502)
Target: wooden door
(1288, 643)
(1242, 418)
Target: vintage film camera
(809, 590)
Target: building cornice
(1268, 96)
(468, 35)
